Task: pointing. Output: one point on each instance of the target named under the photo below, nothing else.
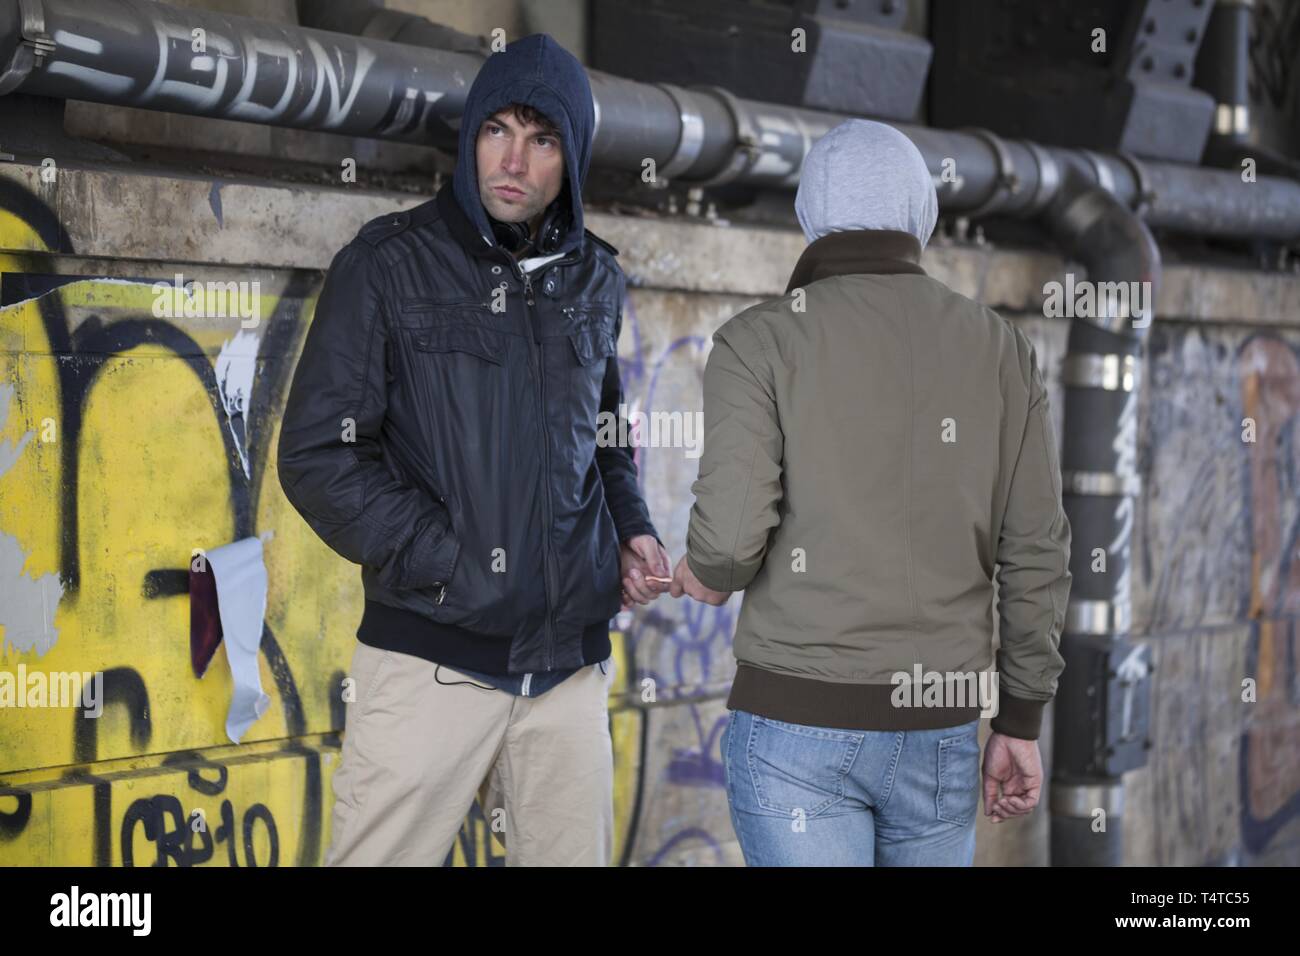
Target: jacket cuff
(711, 579)
(1018, 717)
(629, 532)
(431, 557)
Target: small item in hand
(651, 577)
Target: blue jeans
(819, 796)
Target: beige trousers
(416, 752)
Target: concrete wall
(117, 461)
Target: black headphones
(516, 236)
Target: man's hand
(641, 559)
(1016, 766)
(685, 582)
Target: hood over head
(536, 71)
(866, 175)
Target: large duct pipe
(1100, 485)
(142, 54)
(148, 55)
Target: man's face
(520, 168)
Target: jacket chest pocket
(589, 328)
(418, 313)
(592, 346)
(462, 340)
(588, 352)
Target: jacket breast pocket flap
(484, 343)
(593, 345)
(419, 313)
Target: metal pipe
(1100, 485)
(1223, 71)
(1222, 68)
(141, 53)
(148, 55)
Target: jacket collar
(858, 252)
(464, 232)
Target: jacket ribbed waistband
(397, 629)
(819, 703)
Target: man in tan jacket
(877, 449)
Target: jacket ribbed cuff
(635, 528)
(1018, 717)
(711, 579)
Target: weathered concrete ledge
(267, 225)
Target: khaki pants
(416, 752)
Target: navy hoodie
(536, 71)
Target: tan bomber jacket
(876, 448)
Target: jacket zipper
(548, 580)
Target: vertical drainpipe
(1099, 725)
(1223, 71)
(1222, 68)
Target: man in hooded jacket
(875, 444)
(441, 433)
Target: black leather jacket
(450, 448)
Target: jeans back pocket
(795, 767)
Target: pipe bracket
(1145, 196)
(691, 140)
(1097, 618)
(1007, 178)
(747, 148)
(1101, 483)
(1084, 800)
(1048, 178)
(1114, 373)
(35, 43)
